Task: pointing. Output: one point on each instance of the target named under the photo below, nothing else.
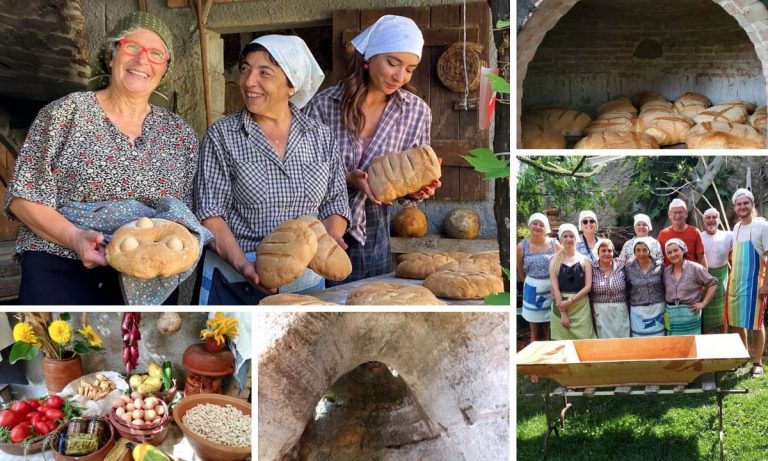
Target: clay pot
(212, 346)
(59, 373)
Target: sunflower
(60, 331)
(91, 336)
(24, 332)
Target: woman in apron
(588, 234)
(609, 293)
(683, 283)
(645, 285)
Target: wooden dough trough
(631, 361)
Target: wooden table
(339, 294)
(432, 243)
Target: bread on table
(330, 261)
(617, 140)
(492, 255)
(561, 119)
(473, 265)
(459, 284)
(535, 137)
(665, 127)
(398, 174)
(722, 135)
(690, 104)
(152, 247)
(722, 113)
(420, 265)
(284, 253)
(387, 293)
(285, 299)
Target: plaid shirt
(241, 178)
(404, 124)
(609, 288)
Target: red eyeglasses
(134, 48)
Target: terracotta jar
(59, 373)
(212, 346)
(206, 370)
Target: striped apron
(612, 320)
(647, 320)
(680, 321)
(581, 321)
(745, 309)
(712, 315)
(537, 299)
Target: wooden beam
(143, 5)
(202, 8)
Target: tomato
(39, 426)
(49, 426)
(34, 404)
(54, 401)
(19, 433)
(21, 408)
(9, 418)
(54, 414)
(35, 416)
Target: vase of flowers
(218, 330)
(62, 349)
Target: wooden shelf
(433, 243)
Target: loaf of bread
(398, 174)
(293, 299)
(617, 105)
(420, 265)
(724, 113)
(492, 255)
(690, 104)
(748, 106)
(458, 284)
(666, 128)
(758, 119)
(562, 119)
(457, 255)
(611, 122)
(535, 137)
(722, 135)
(284, 253)
(640, 99)
(651, 106)
(148, 248)
(386, 293)
(330, 261)
(617, 140)
(473, 265)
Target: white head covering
(644, 240)
(712, 211)
(643, 218)
(390, 34)
(587, 214)
(677, 203)
(540, 217)
(677, 242)
(599, 243)
(568, 227)
(294, 57)
(742, 193)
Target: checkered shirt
(609, 288)
(404, 124)
(241, 178)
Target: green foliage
(485, 161)
(502, 24)
(498, 299)
(522, 231)
(498, 84)
(22, 351)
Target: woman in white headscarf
(684, 281)
(642, 230)
(588, 234)
(533, 255)
(264, 165)
(373, 111)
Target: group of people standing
(288, 153)
(683, 282)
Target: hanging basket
(450, 67)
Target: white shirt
(759, 231)
(717, 247)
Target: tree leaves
(488, 163)
(498, 299)
(498, 84)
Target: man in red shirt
(678, 214)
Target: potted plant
(61, 347)
(218, 329)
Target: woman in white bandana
(642, 230)
(373, 111)
(264, 165)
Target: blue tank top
(536, 265)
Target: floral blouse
(74, 153)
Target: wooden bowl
(119, 422)
(204, 448)
(97, 455)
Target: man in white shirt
(717, 246)
(747, 284)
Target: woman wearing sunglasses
(105, 145)
(588, 234)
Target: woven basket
(450, 67)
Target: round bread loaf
(152, 247)
(387, 293)
(294, 299)
(420, 265)
(459, 284)
(492, 255)
(722, 135)
(690, 104)
(617, 140)
(462, 223)
(473, 265)
(283, 255)
(330, 261)
(410, 222)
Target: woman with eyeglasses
(111, 145)
(642, 230)
(533, 255)
(684, 281)
(608, 295)
(570, 273)
(588, 234)
(645, 283)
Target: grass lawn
(644, 428)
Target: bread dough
(387, 293)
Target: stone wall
(455, 364)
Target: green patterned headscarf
(101, 72)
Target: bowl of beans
(218, 427)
